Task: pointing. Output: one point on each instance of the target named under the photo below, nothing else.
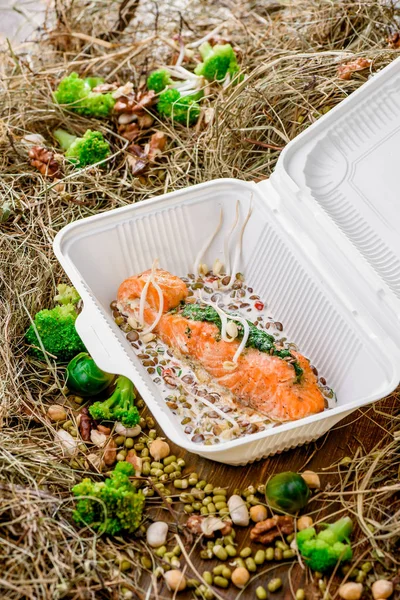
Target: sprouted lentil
(208, 413)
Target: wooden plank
(362, 428)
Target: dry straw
(290, 51)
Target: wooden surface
(359, 429)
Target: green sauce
(258, 339)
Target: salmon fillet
(260, 381)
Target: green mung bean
(221, 581)
(274, 584)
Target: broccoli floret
(98, 105)
(183, 109)
(76, 94)
(218, 61)
(87, 150)
(324, 550)
(120, 406)
(56, 330)
(158, 80)
(112, 506)
(66, 295)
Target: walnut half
(43, 159)
(267, 531)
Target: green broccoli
(182, 109)
(76, 94)
(324, 550)
(56, 330)
(120, 406)
(218, 61)
(87, 150)
(112, 506)
(66, 295)
(159, 80)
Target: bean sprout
(206, 246)
(143, 297)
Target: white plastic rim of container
(334, 282)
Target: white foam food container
(322, 248)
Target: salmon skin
(265, 383)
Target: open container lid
(340, 180)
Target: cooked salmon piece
(174, 289)
(265, 383)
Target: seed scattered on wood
(110, 453)
(176, 581)
(156, 534)
(69, 443)
(270, 529)
(382, 589)
(85, 424)
(351, 591)
(159, 449)
(238, 511)
(98, 439)
(304, 522)
(311, 479)
(258, 513)
(56, 412)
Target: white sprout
(228, 239)
(181, 53)
(209, 35)
(206, 246)
(143, 297)
(246, 332)
(189, 84)
(209, 404)
(224, 321)
(238, 251)
(180, 72)
(160, 308)
(222, 315)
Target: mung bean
(274, 584)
